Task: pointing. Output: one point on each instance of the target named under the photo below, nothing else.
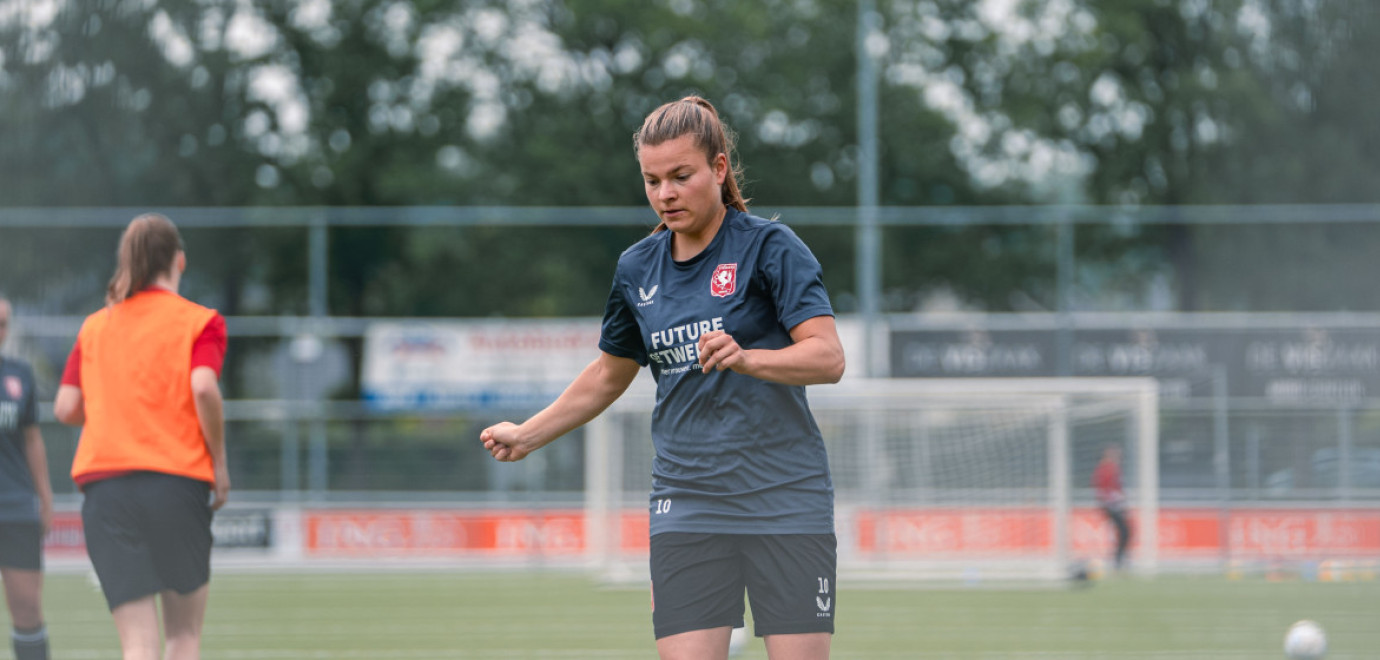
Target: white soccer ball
(1305, 641)
(737, 641)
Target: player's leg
(805, 646)
(182, 618)
(114, 513)
(708, 644)
(697, 594)
(24, 594)
(181, 549)
(137, 623)
(1123, 537)
(1110, 514)
(790, 583)
(21, 567)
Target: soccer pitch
(507, 615)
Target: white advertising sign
(474, 364)
(527, 363)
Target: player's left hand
(45, 517)
(220, 490)
(719, 350)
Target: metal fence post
(868, 240)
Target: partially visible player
(1106, 483)
(143, 379)
(26, 501)
(730, 312)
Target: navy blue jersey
(18, 411)
(734, 454)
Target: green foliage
(479, 102)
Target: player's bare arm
(596, 388)
(37, 457)
(69, 407)
(815, 356)
(210, 412)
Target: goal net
(976, 480)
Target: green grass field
(507, 615)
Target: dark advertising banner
(230, 528)
(242, 528)
(1291, 365)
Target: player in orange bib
(143, 382)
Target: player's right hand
(503, 442)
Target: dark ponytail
(147, 249)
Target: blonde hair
(695, 116)
(147, 249)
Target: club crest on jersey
(724, 281)
(14, 386)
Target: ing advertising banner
(1184, 533)
(443, 533)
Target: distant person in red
(1106, 481)
(143, 382)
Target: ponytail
(695, 116)
(146, 251)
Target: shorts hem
(690, 626)
(134, 595)
(824, 626)
(112, 602)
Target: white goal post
(977, 480)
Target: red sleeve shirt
(1107, 481)
(208, 351)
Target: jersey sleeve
(28, 415)
(71, 374)
(793, 276)
(620, 335)
(209, 349)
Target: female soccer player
(730, 313)
(26, 502)
(143, 379)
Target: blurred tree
(1163, 102)
(366, 103)
(477, 102)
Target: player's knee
(183, 645)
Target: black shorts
(147, 532)
(21, 546)
(698, 581)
